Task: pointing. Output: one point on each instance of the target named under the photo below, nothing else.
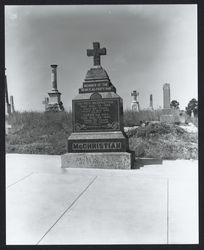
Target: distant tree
(192, 107)
(174, 104)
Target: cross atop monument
(96, 52)
(135, 95)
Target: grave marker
(166, 96)
(135, 104)
(53, 103)
(151, 102)
(98, 139)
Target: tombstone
(151, 102)
(12, 104)
(7, 104)
(53, 103)
(166, 96)
(98, 139)
(135, 104)
(168, 114)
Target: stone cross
(135, 95)
(96, 52)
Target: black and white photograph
(101, 124)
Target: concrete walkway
(156, 204)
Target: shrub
(164, 141)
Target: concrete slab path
(156, 204)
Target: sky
(147, 46)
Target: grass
(47, 133)
(39, 133)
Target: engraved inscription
(96, 146)
(96, 115)
(95, 85)
(94, 89)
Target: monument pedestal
(106, 160)
(97, 142)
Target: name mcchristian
(96, 145)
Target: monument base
(106, 160)
(86, 142)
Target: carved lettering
(96, 115)
(96, 145)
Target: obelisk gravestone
(166, 96)
(168, 115)
(98, 139)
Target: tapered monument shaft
(54, 77)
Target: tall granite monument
(166, 96)
(53, 103)
(169, 115)
(98, 139)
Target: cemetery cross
(96, 52)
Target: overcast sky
(147, 46)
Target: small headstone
(98, 139)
